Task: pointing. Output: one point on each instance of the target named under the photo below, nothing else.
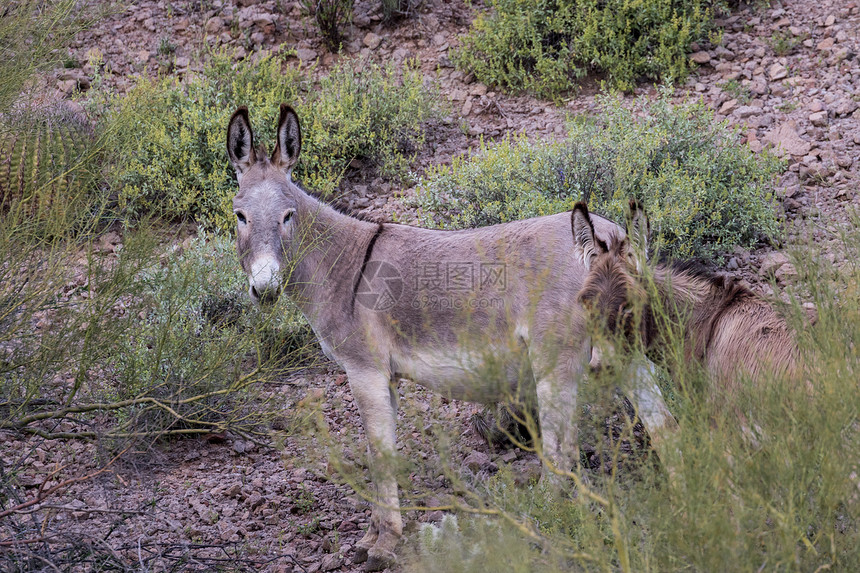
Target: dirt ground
(271, 509)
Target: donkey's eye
(241, 217)
(288, 215)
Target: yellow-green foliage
(175, 163)
(704, 192)
(544, 45)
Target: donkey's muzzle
(264, 296)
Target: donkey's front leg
(557, 386)
(371, 391)
(651, 408)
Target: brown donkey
(731, 331)
(389, 301)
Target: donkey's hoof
(379, 559)
(360, 555)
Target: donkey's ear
(586, 245)
(638, 232)
(240, 142)
(289, 140)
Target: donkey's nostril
(266, 295)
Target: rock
(818, 119)
(825, 44)
(701, 58)
(829, 21)
(845, 107)
(785, 272)
(306, 54)
(777, 71)
(182, 63)
(746, 111)
(477, 461)
(480, 89)
(728, 106)
(733, 264)
(771, 262)
(263, 19)
(724, 53)
(214, 25)
(785, 139)
(372, 40)
(330, 562)
(845, 161)
(142, 57)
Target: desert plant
(50, 158)
(175, 164)
(330, 16)
(783, 42)
(393, 9)
(705, 193)
(544, 46)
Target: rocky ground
(789, 74)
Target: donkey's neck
(328, 251)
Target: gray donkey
(471, 314)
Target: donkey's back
(471, 302)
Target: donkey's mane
(726, 292)
(697, 269)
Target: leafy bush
(137, 341)
(704, 193)
(174, 161)
(543, 45)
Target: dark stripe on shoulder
(367, 253)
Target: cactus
(46, 162)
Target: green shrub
(542, 46)
(703, 191)
(149, 343)
(174, 162)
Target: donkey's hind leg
(372, 394)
